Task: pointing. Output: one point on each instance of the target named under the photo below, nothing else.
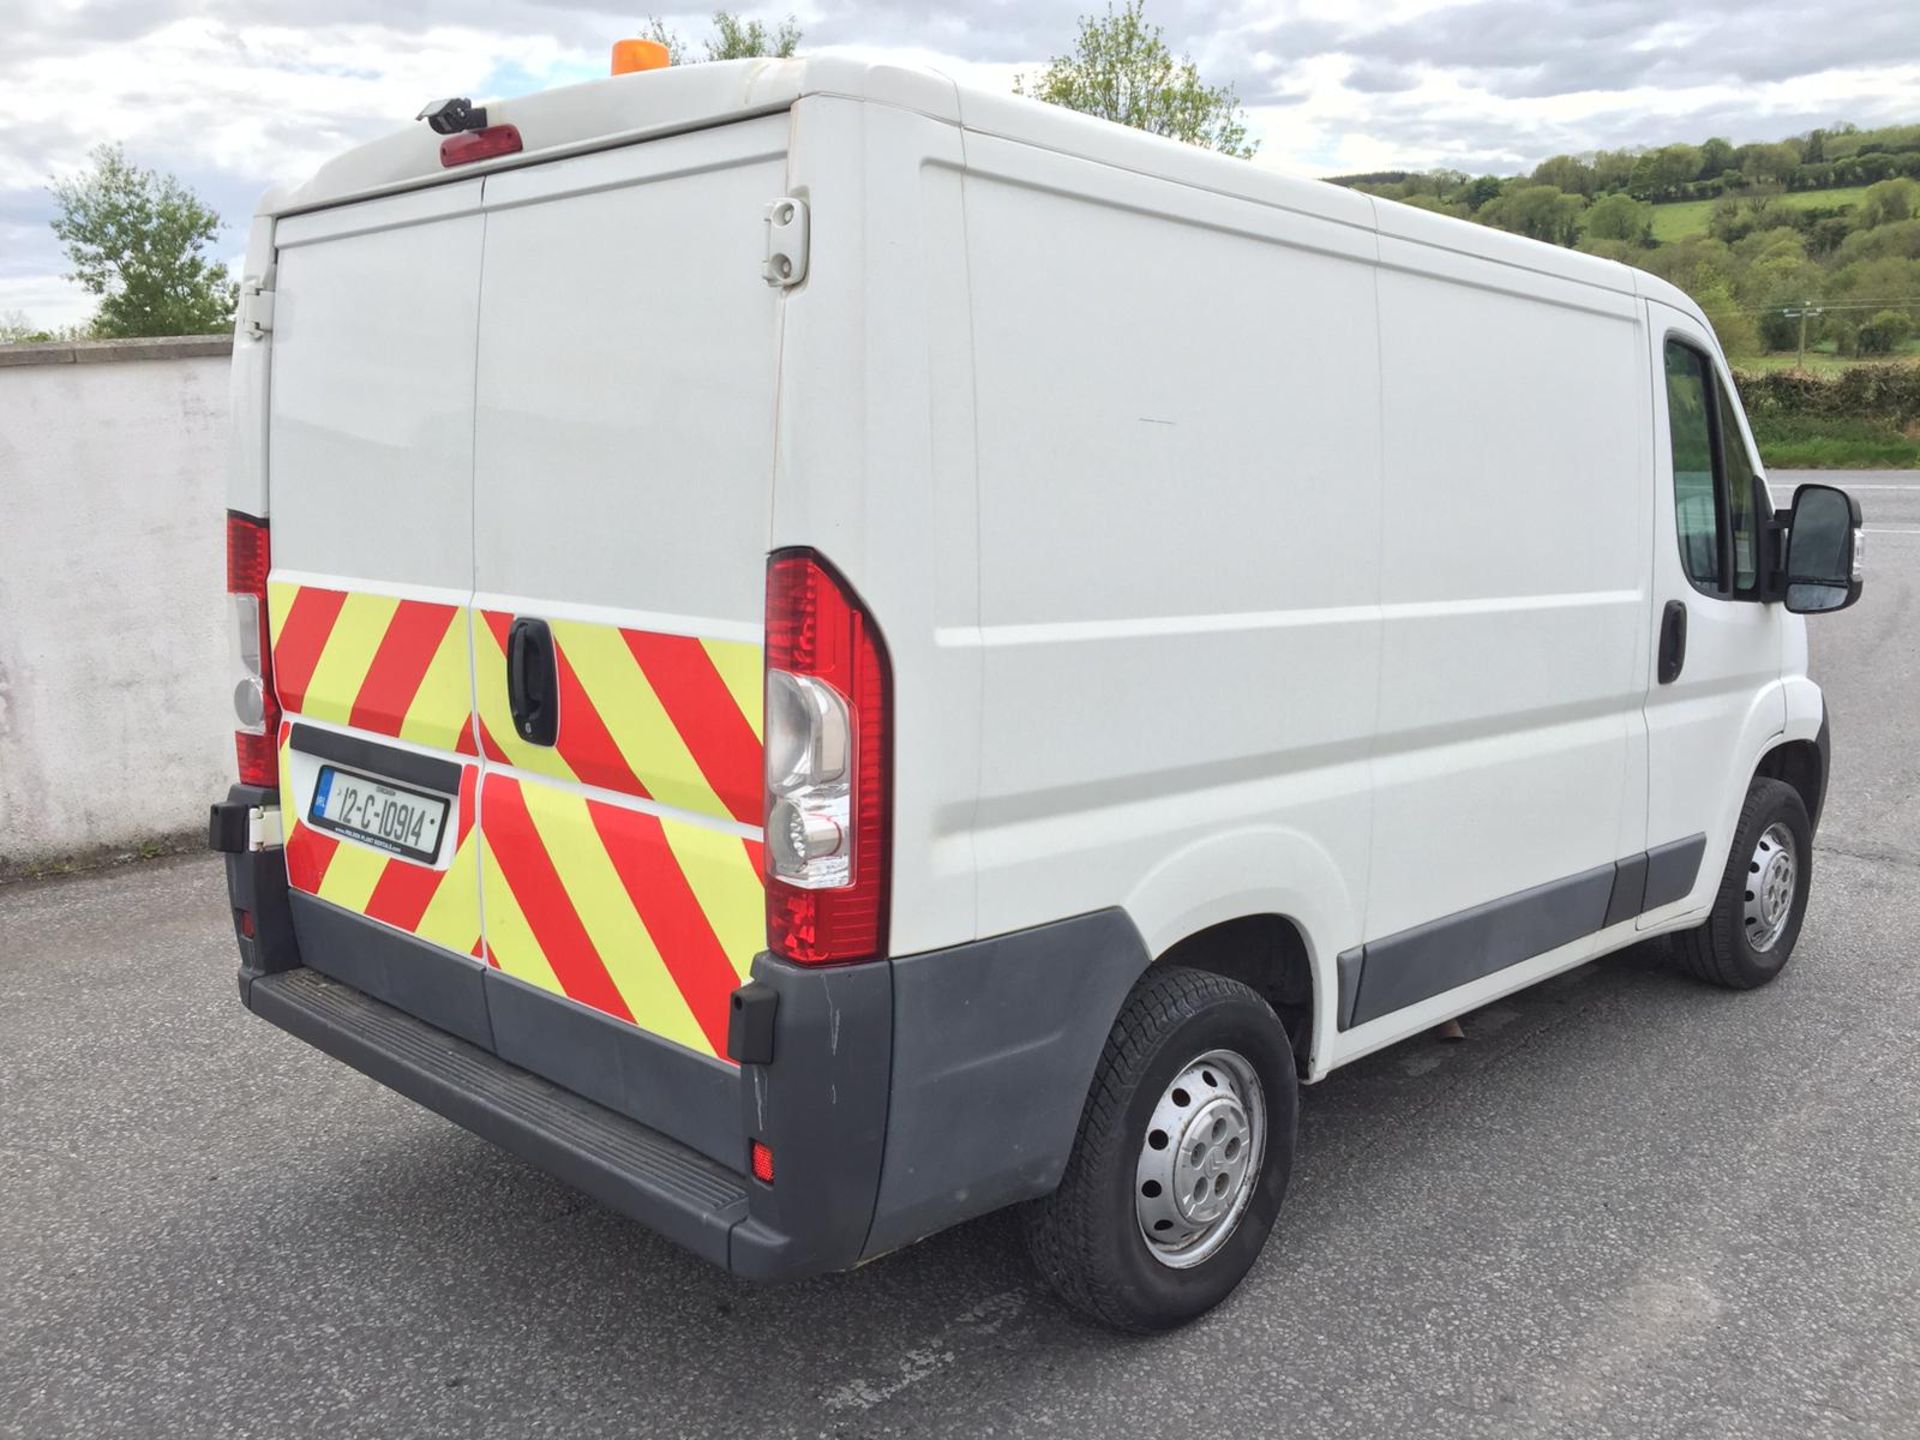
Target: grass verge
(1808, 442)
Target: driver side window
(1718, 511)
(1696, 510)
(1743, 492)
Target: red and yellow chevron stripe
(375, 662)
(670, 718)
(647, 918)
(440, 906)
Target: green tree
(1619, 217)
(1659, 173)
(737, 39)
(1716, 157)
(1888, 202)
(1481, 190)
(137, 240)
(1120, 69)
(1437, 205)
(17, 328)
(1612, 170)
(1544, 212)
(673, 40)
(1696, 264)
(1768, 164)
(1885, 333)
(1625, 251)
(1727, 219)
(733, 38)
(1735, 328)
(1896, 237)
(1566, 172)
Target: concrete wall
(115, 727)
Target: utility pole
(1800, 360)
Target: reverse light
(827, 773)
(473, 145)
(256, 709)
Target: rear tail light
(256, 709)
(827, 748)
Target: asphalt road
(1630, 1206)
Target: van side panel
(875, 464)
(1514, 552)
(1179, 452)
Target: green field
(1824, 361)
(1682, 218)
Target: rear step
(639, 1172)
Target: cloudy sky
(233, 94)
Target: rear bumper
(647, 1128)
(637, 1171)
(898, 1097)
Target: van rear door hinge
(256, 307)
(786, 242)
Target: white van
(822, 653)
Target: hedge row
(1882, 392)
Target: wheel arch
(1802, 764)
(1268, 954)
(1274, 891)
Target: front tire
(1749, 935)
(1181, 1160)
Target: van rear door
(370, 447)
(622, 494)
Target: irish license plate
(386, 817)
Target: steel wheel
(1200, 1158)
(1772, 874)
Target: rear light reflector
(256, 709)
(472, 145)
(828, 770)
(762, 1162)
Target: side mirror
(1823, 551)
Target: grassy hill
(1678, 219)
(1812, 240)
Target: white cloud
(233, 95)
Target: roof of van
(624, 108)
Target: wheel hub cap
(1772, 873)
(1200, 1158)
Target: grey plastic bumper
(899, 1097)
(624, 1165)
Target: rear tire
(1195, 1093)
(1749, 935)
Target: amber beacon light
(630, 56)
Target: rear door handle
(1673, 641)
(533, 681)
